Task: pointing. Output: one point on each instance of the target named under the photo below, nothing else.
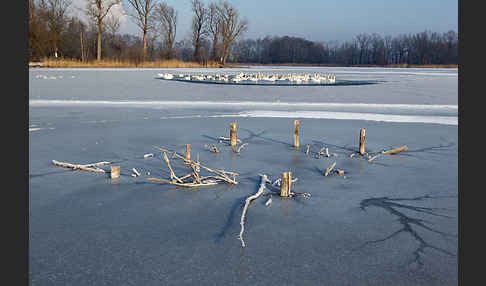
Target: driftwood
(237, 150)
(224, 139)
(324, 151)
(373, 158)
(172, 173)
(218, 175)
(395, 151)
(320, 153)
(269, 201)
(264, 180)
(189, 184)
(330, 169)
(88, 167)
(389, 152)
(214, 149)
(136, 172)
(305, 195)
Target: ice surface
(402, 86)
(389, 222)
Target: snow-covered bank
(446, 120)
(418, 113)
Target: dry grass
(73, 63)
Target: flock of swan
(254, 77)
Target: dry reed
(112, 63)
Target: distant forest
(217, 35)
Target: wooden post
(188, 152)
(115, 172)
(233, 139)
(296, 133)
(286, 184)
(362, 141)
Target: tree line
(217, 31)
(56, 31)
(423, 48)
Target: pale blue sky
(329, 20)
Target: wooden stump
(286, 184)
(188, 152)
(233, 139)
(296, 134)
(362, 141)
(115, 172)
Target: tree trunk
(144, 55)
(197, 53)
(81, 43)
(99, 41)
(215, 48)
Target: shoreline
(210, 65)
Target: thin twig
(221, 139)
(209, 183)
(330, 169)
(269, 201)
(172, 174)
(373, 158)
(239, 148)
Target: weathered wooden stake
(362, 141)
(286, 184)
(188, 152)
(115, 172)
(233, 139)
(296, 133)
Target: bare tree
(55, 13)
(165, 18)
(97, 11)
(82, 40)
(198, 26)
(214, 28)
(231, 27)
(387, 42)
(364, 42)
(142, 11)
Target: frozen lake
(390, 221)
